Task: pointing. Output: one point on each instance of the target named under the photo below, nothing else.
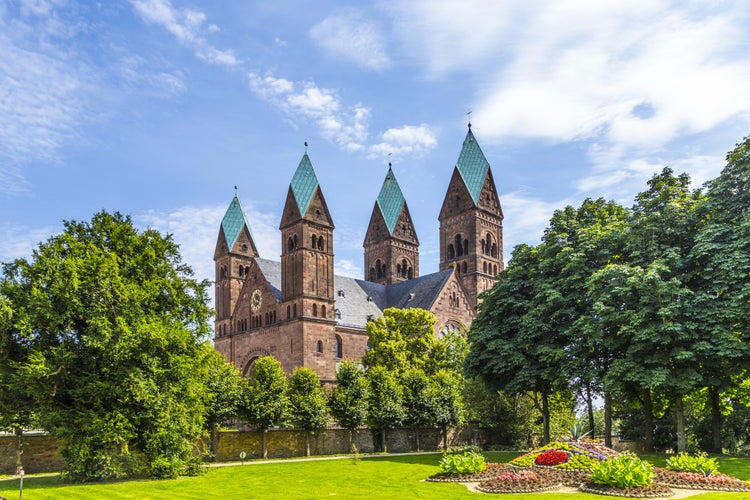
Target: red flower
(552, 457)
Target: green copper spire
(390, 200)
(304, 184)
(233, 222)
(473, 166)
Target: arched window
(294, 310)
(247, 270)
(288, 312)
(339, 346)
(242, 271)
(451, 252)
(404, 268)
(410, 274)
(378, 270)
(463, 268)
(314, 241)
(372, 274)
(494, 250)
(483, 247)
(382, 270)
(495, 268)
(290, 244)
(295, 241)
(459, 246)
(315, 309)
(321, 244)
(484, 267)
(466, 247)
(323, 311)
(398, 269)
(319, 348)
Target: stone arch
(249, 359)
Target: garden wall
(42, 453)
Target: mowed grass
(381, 477)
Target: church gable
(257, 297)
(404, 229)
(488, 199)
(376, 230)
(457, 198)
(317, 210)
(291, 211)
(453, 307)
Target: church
(303, 314)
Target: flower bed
(697, 481)
(524, 481)
(490, 472)
(652, 491)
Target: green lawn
(387, 477)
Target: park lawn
(393, 477)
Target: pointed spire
(233, 222)
(472, 165)
(304, 183)
(390, 200)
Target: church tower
(471, 222)
(235, 250)
(307, 248)
(391, 244)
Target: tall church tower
(471, 222)
(391, 244)
(235, 250)
(307, 248)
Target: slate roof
(359, 300)
(304, 183)
(390, 200)
(233, 221)
(473, 166)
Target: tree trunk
(265, 443)
(679, 413)
(545, 417)
(214, 441)
(445, 438)
(383, 444)
(18, 430)
(715, 403)
(590, 409)
(648, 421)
(608, 419)
(416, 436)
(307, 443)
(351, 442)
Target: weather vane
(469, 115)
(305, 146)
(389, 159)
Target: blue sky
(158, 108)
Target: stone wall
(40, 454)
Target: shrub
(624, 471)
(467, 463)
(683, 462)
(551, 458)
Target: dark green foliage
(464, 463)
(308, 408)
(114, 323)
(623, 471)
(348, 401)
(385, 402)
(265, 402)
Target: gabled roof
(233, 222)
(390, 200)
(472, 165)
(356, 301)
(304, 183)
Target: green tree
(419, 402)
(348, 401)
(308, 407)
(115, 324)
(445, 391)
(403, 339)
(385, 409)
(509, 349)
(265, 404)
(721, 260)
(225, 387)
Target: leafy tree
(115, 325)
(419, 404)
(308, 408)
(510, 350)
(348, 401)
(721, 260)
(385, 402)
(403, 339)
(225, 387)
(445, 390)
(265, 404)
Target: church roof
(472, 165)
(357, 301)
(233, 221)
(304, 183)
(390, 200)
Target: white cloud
(18, 242)
(405, 140)
(345, 267)
(187, 26)
(349, 35)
